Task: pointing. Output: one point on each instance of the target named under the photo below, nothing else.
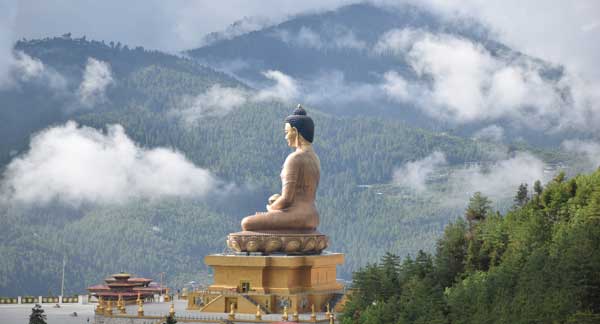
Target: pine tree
(521, 197)
(37, 315)
(537, 187)
(451, 252)
(478, 209)
(171, 320)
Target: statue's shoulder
(299, 158)
(293, 157)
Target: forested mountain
(148, 79)
(538, 263)
(362, 211)
(358, 60)
(387, 185)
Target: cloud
(396, 87)
(521, 25)
(497, 180)
(397, 41)
(217, 101)
(327, 37)
(96, 78)
(327, 88)
(23, 68)
(239, 27)
(332, 88)
(28, 67)
(78, 165)
(492, 133)
(590, 26)
(470, 85)
(16, 66)
(285, 87)
(415, 174)
(500, 179)
(462, 82)
(588, 149)
(305, 37)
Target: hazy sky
(565, 32)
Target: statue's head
(298, 123)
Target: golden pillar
(172, 310)
(140, 310)
(231, 315)
(100, 307)
(121, 305)
(108, 309)
(285, 314)
(258, 314)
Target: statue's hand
(272, 199)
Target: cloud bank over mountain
(220, 100)
(461, 81)
(561, 32)
(497, 180)
(77, 165)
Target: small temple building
(128, 288)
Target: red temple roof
(122, 284)
(99, 287)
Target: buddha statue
(289, 225)
(294, 209)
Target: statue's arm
(288, 189)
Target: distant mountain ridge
(366, 21)
(333, 53)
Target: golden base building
(271, 283)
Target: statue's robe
(300, 178)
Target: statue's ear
(298, 136)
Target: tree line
(537, 263)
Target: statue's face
(291, 135)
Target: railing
(50, 300)
(8, 300)
(70, 300)
(255, 293)
(42, 299)
(220, 318)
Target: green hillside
(538, 263)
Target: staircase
(262, 308)
(335, 299)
